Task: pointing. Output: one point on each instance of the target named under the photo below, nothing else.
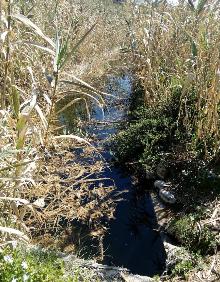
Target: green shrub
(151, 132)
(144, 139)
(183, 267)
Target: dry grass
(70, 190)
(48, 50)
(176, 52)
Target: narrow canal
(132, 240)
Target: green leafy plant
(182, 268)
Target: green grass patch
(19, 265)
(192, 235)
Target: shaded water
(131, 241)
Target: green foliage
(35, 266)
(193, 236)
(187, 262)
(150, 133)
(183, 267)
(143, 139)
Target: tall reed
(177, 53)
(47, 52)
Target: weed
(192, 235)
(32, 265)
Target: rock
(166, 196)
(92, 271)
(99, 272)
(175, 255)
(136, 278)
(160, 184)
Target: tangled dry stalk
(70, 190)
(42, 64)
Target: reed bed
(49, 51)
(176, 56)
(54, 50)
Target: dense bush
(150, 134)
(142, 140)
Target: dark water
(131, 241)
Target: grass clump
(192, 235)
(31, 265)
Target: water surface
(132, 240)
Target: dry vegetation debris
(71, 190)
(42, 65)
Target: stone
(166, 196)
(175, 255)
(136, 278)
(160, 184)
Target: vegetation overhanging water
(130, 241)
(57, 53)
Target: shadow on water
(132, 240)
